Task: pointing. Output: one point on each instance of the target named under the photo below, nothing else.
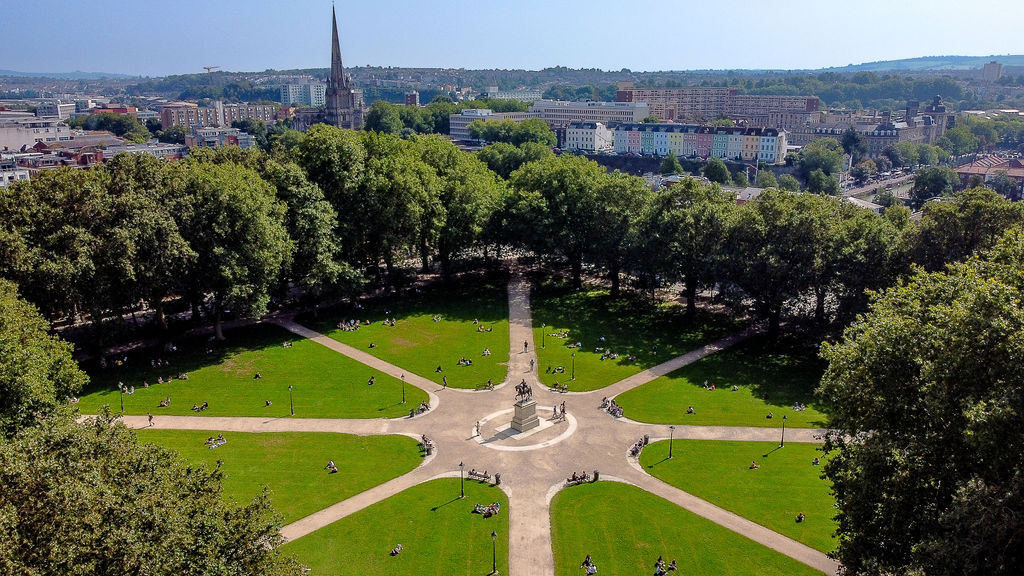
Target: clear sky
(181, 36)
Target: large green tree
(953, 231)
(37, 374)
(771, 251)
(89, 498)
(926, 397)
(468, 193)
(716, 171)
(235, 224)
(684, 235)
(556, 207)
(933, 182)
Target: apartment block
(703, 104)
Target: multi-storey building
(218, 137)
(189, 114)
(704, 104)
(62, 110)
(559, 114)
(588, 137)
(309, 94)
(766, 145)
(458, 124)
(24, 130)
(520, 94)
(10, 172)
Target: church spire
(337, 70)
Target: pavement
(532, 468)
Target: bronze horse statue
(523, 391)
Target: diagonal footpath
(599, 442)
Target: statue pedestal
(526, 416)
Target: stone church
(344, 104)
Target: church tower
(344, 105)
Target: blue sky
(181, 36)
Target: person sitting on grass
(690, 410)
(487, 351)
(754, 465)
(268, 403)
(257, 376)
(815, 462)
(438, 369)
(396, 550)
(331, 468)
(770, 415)
(800, 517)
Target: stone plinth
(525, 417)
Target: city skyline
(156, 40)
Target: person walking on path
(531, 364)
(150, 414)
(526, 347)
(444, 382)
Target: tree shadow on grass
(631, 325)
(781, 372)
(473, 297)
(193, 353)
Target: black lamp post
(403, 388)
(462, 481)
(573, 366)
(120, 391)
(671, 435)
(494, 552)
(782, 442)
(291, 404)
(543, 330)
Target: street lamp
(291, 404)
(462, 481)
(573, 366)
(494, 552)
(782, 442)
(671, 434)
(403, 388)
(543, 330)
(120, 391)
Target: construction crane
(210, 68)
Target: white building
(588, 137)
(10, 172)
(312, 94)
(521, 94)
(25, 130)
(55, 108)
(458, 123)
(559, 114)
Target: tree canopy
(925, 393)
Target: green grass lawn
(292, 464)
(438, 532)
(419, 344)
(770, 377)
(326, 384)
(786, 484)
(630, 325)
(625, 529)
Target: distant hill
(76, 75)
(926, 63)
